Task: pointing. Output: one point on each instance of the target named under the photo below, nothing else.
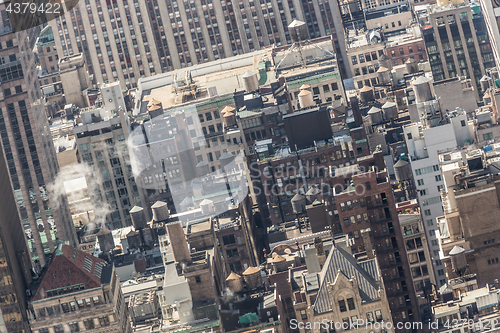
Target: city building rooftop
(71, 270)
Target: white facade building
(435, 132)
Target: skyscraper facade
(126, 40)
(14, 260)
(28, 147)
(457, 43)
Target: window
(488, 136)
(424, 191)
(197, 278)
(335, 86)
(58, 329)
(88, 323)
(434, 242)
(440, 187)
(232, 253)
(462, 122)
(432, 232)
(429, 223)
(208, 116)
(342, 306)
(73, 326)
(420, 182)
(326, 88)
(316, 91)
(354, 60)
(229, 239)
(369, 317)
(438, 178)
(378, 315)
(350, 303)
(104, 321)
(401, 51)
(361, 58)
(410, 49)
(303, 314)
(441, 272)
(44, 330)
(201, 118)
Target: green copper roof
(46, 37)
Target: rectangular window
(342, 306)
(303, 314)
(488, 136)
(229, 239)
(350, 304)
(88, 323)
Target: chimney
(178, 242)
(320, 251)
(365, 234)
(356, 112)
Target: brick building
(399, 50)
(367, 211)
(78, 292)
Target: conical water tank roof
(186, 203)
(103, 231)
(277, 259)
(402, 170)
(376, 115)
(305, 86)
(138, 218)
(298, 31)
(160, 211)
(207, 206)
(250, 81)
(382, 70)
(306, 99)
(366, 89)
(153, 102)
(226, 159)
(390, 110)
(312, 191)
(251, 270)
(298, 197)
(457, 250)
(233, 276)
(202, 169)
(227, 109)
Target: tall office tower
(457, 43)
(491, 12)
(14, 260)
(27, 144)
(129, 39)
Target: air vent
(87, 264)
(97, 269)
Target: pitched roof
(251, 270)
(366, 274)
(70, 267)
